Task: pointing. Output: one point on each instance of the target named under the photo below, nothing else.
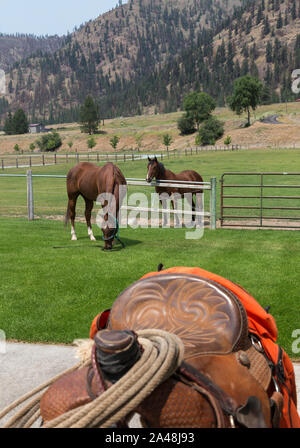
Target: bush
(49, 142)
(114, 141)
(227, 140)
(91, 142)
(185, 125)
(210, 131)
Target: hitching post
(213, 200)
(30, 196)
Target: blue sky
(53, 17)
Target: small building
(36, 128)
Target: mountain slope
(104, 54)
(14, 48)
(148, 53)
(259, 40)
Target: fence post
(17, 163)
(2, 164)
(30, 196)
(43, 159)
(213, 203)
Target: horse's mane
(162, 168)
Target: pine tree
(8, 125)
(20, 122)
(89, 116)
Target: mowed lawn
(51, 288)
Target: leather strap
(222, 404)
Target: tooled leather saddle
(219, 355)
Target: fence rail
(209, 186)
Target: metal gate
(270, 200)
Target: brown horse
(156, 170)
(90, 181)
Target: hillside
(150, 129)
(119, 46)
(145, 55)
(261, 39)
(14, 48)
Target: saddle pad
(205, 315)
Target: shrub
(91, 142)
(210, 131)
(49, 142)
(114, 141)
(185, 125)
(227, 140)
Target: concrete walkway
(25, 366)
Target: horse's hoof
(92, 238)
(74, 238)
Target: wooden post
(17, 163)
(43, 158)
(30, 196)
(2, 164)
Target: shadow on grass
(116, 247)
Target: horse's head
(152, 169)
(110, 231)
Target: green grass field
(52, 288)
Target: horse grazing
(89, 181)
(156, 170)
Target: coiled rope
(163, 353)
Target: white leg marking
(74, 237)
(91, 235)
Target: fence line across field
(210, 186)
(49, 159)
